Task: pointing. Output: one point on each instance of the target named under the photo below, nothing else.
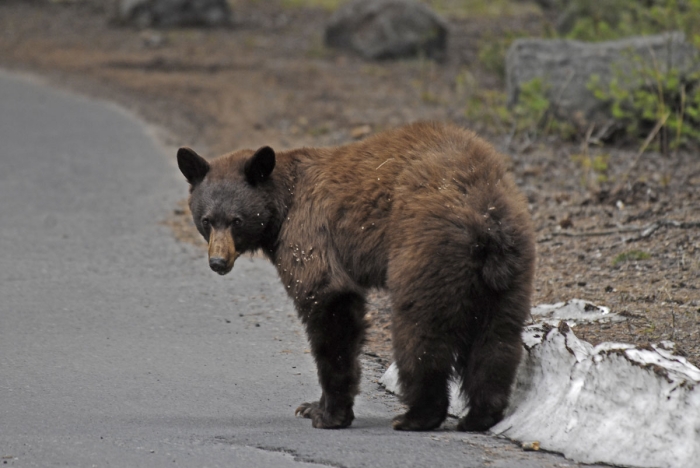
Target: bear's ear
(259, 167)
(193, 166)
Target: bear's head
(230, 201)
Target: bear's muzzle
(222, 251)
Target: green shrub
(648, 102)
(649, 98)
(600, 20)
(640, 100)
(531, 115)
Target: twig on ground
(646, 231)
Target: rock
(613, 403)
(170, 13)
(566, 67)
(387, 29)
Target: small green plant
(487, 107)
(650, 329)
(492, 52)
(599, 164)
(594, 168)
(319, 130)
(632, 255)
(532, 107)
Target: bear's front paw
(321, 419)
(413, 422)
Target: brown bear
(427, 211)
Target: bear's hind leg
(424, 362)
(487, 369)
(336, 331)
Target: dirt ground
(626, 237)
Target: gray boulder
(387, 29)
(566, 67)
(169, 13)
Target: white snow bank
(613, 403)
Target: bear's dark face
(228, 206)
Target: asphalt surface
(118, 345)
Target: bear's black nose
(218, 264)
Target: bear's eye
(237, 221)
(205, 222)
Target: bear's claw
(322, 419)
(304, 410)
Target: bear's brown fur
(427, 211)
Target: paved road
(118, 346)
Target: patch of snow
(573, 312)
(613, 403)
